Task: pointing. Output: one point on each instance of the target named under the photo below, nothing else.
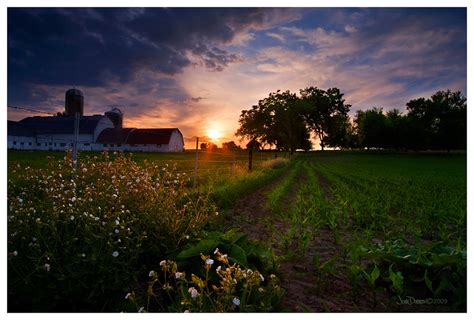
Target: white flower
(236, 301)
(163, 262)
(20, 200)
(117, 222)
(83, 255)
(218, 268)
(187, 237)
(15, 253)
(117, 230)
(261, 277)
(84, 169)
(209, 261)
(72, 218)
(216, 251)
(178, 275)
(34, 239)
(73, 199)
(272, 276)
(261, 289)
(194, 293)
(114, 195)
(138, 180)
(151, 273)
(128, 296)
(142, 309)
(115, 254)
(47, 267)
(217, 213)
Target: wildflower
(117, 222)
(128, 296)
(178, 275)
(15, 253)
(73, 199)
(187, 237)
(72, 218)
(272, 276)
(83, 255)
(194, 293)
(261, 277)
(151, 273)
(138, 180)
(47, 267)
(117, 231)
(115, 254)
(261, 289)
(114, 195)
(162, 263)
(209, 261)
(216, 251)
(142, 309)
(217, 213)
(34, 239)
(20, 200)
(218, 268)
(236, 301)
(84, 169)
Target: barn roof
(62, 125)
(18, 129)
(136, 136)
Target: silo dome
(116, 116)
(74, 102)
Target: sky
(198, 68)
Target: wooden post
(77, 118)
(196, 163)
(250, 158)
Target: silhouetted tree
(319, 107)
(276, 120)
(230, 145)
(203, 146)
(371, 128)
(338, 131)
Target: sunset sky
(196, 69)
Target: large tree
(276, 120)
(371, 128)
(322, 109)
(439, 122)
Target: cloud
(276, 36)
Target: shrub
(75, 243)
(222, 286)
(275, 163)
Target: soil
(306, 289)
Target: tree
(395, 129)
(441, 121)
(230, 146)
(320, 107)
(371, 128)
(203, 146)
(276, 120)
(338, 132)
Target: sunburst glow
(214, 134)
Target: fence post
(196, 163)
(250, 158)
(77, 117)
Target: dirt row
(307, 289)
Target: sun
(214, 134)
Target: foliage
(221, 286)
(275, 163)
(276, 120)
(76, 242)
(439, 268)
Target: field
(327, 231)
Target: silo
(74, 102)
(116, 116)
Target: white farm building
(97, 132)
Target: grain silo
(116, 116)
(74, 102)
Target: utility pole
(196, 163)
(77, 118)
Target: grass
(381, 204)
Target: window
(38, 144)
(105, 144)
(51, 144)
(14, 142)
(21, 143)
(55, 144)
(62, 144)
(29, 143)
(87, 144)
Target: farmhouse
(96, 132)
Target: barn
(96, 132)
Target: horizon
(165, 68)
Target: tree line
(285, 120)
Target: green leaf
(428, 282)
(238, 255)
(204, 246)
